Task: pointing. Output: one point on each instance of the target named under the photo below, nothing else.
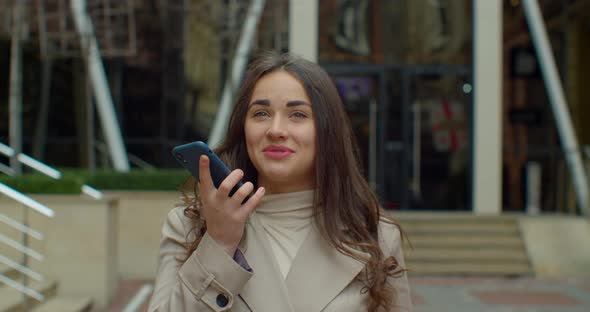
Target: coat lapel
(319, 273)
(266, 290)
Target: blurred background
(469, 116)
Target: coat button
(222, 300)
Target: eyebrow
(293, 103)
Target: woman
(312, 237)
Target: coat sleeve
(209, 280)
(402, 296)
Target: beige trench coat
(320, 279)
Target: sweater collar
(286, 202)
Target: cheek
(249, 134)
(253, 131)
(250, 148)
(249, 140)
(252, 136)
(310, 137)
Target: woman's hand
(226, 216)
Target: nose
(277, 129)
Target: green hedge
(165, 180)
(72, 181)
(34, 184)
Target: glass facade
(403, 68)
(404, 72)
(535, 172)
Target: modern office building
(448, 98)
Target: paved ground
(442, 294)
(126, 291)
(473, 294)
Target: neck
(275, 187)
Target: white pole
(487, 107)
(303, 28)
(557, 99)
(533, 188)
(102, 93)
(15, 98)
(238, 68)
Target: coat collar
(318, 273)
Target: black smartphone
(188, 156)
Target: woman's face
(280, 134)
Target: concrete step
(9, 272)
(463, 244)
(465, 241)
(11, 300)
(468, 269)
(457, 221)
(457, 228)
(63, 304)
(450, 217)
(462, 255)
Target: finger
(242, 192)
(229, 182)
(252, 202)
(206, 184)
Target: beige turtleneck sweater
(286, 219)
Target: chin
(279, 175)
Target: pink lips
(277, 152)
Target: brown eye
(298, 115)
(260, 113)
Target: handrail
(21, 268)
(30, 161)
(23, 289)
(25, 200)
(31, 203)
(20, 247)
(39, 166)
(6, 170)
(20, 227)
(6, 150)
(43, 168)
(92, 192)
(23, 248)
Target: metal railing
(29, 203)
(42, 168)
(23, 247)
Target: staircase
(11, 300)
(463, 245)
(22, 287)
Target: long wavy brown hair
(342, 196)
